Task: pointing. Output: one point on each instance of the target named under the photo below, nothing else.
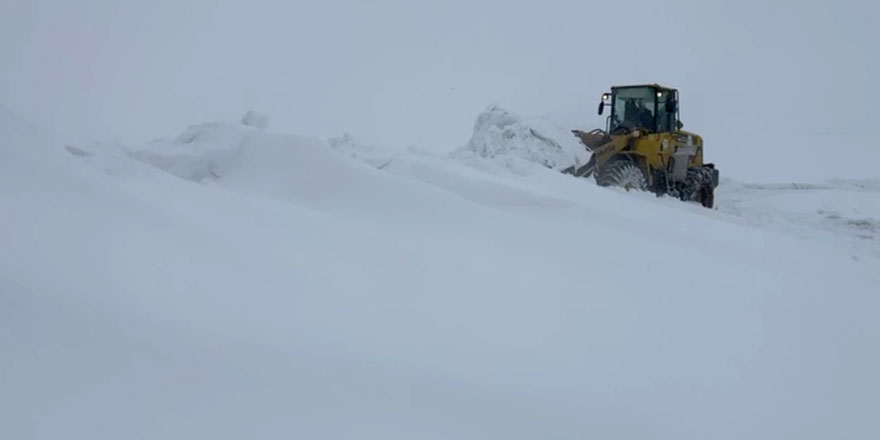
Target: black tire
(707, 197)
(623, 173)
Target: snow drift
(351, 146)
(230, 282)
(295, 169)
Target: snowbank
(339, 176)
(501, 135)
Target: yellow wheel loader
(643, 147)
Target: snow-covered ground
(842, 212)
(235, 283)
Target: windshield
(634, 107)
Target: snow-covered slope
(232, 283)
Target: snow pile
(202, 151)
(255, 119)
(501, 135)
(221, 152)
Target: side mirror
(601, 107)
(679, 124)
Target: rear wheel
(707, 197)
(623, 173)
(700, 187)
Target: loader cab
(652, 108)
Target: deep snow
(231, 282)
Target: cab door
(667, 111)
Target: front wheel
(622, 173)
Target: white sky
(418, 72)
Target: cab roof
(654, 86)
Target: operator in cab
(640, 116)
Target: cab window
(634, 107)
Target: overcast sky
(414, 72)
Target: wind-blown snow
(230, 282)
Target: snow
(842, 212)
(499, 133)
(231, 282)
(255, 119)
(350, 145)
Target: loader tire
(622, 173)
(707, 197)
